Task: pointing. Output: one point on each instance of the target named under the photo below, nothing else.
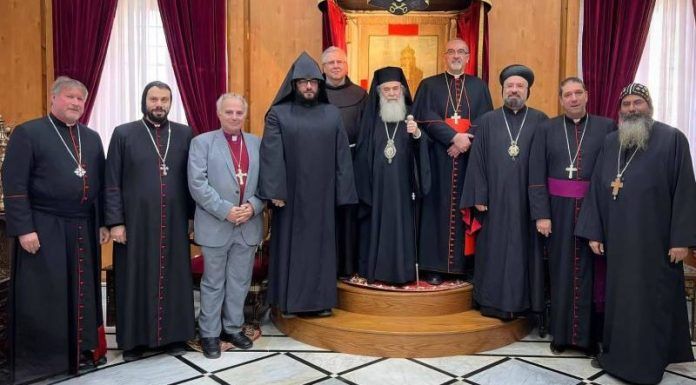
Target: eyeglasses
(458, 52)
(307, 82)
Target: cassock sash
(472, 227)
(462, 125)
(568, 188)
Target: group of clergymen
(377, 184)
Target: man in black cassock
(391, 171)
(508, 279)
(446, 104)
(350, 100)
(53, 184)
(564, 150)
(640, 213)
(306, 172)
(148, 207)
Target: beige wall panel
(23, 74)
(279, 32)
(527, 32)
(236, 58)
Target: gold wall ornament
(4, 138)
(400, 7)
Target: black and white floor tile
(280, 360)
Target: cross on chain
(240, 176)
(456, 117)
(616, 186)
(571, 169)
(164, 168)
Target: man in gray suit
(223, 171)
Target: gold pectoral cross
(240, 176)
(616, 186)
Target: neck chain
(571, 168)
(163, 159)
(390, 148)
(239, 173)
(617, 184)
(514, 149)
(455, 107)
(79, 171)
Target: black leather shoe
(176, 349)
(556, 349)
(434, 279)
(86, 363)
(595, 363)
(240, 340)
(324, 313)
(211, 347)
(288, 315)
(132, 354)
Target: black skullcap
(638, 90)
(517, 70)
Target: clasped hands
(240, 214)
(461, 143)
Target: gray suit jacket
(215, 189)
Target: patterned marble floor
(277, 359)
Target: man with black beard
(391, 170)
(148, 207)
(508, 279)
(350, 100)
(306, 172)
(563, 154)
(640, 213)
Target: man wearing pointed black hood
(147, 208)
(391, 170)
(306, 172)
(350, 100)
(508, 275)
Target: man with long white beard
(640, 213)
(392, 172)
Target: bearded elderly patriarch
(392, 171)
(640, 213)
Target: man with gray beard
(391, 172)
(640, 213)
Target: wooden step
(464, 332)
(361, 300)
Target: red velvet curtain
(468, 29)
(333, 25)
(81, 32)
(196, 34)
(614, 35)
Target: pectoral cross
(456, 117)
(616, 185)
(164, 168)
(240, 176)
(571, 169)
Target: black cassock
(305, 161)
(350, 100)
(55, 294)
(552, 196)
(154, 293)
(388, 193)
(509, 275)
(442, 229)
(646, 326)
